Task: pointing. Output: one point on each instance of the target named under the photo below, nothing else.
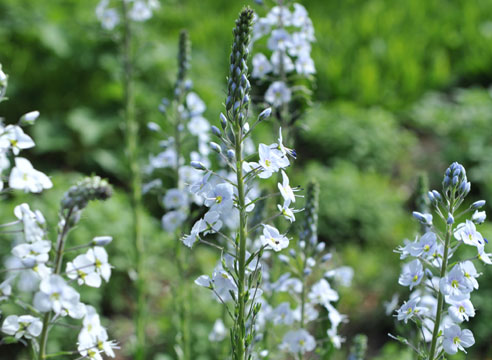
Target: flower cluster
(441, 268)
(139, 10)
(185, 112)
(231, 196)
(13, 140)
(307, 284)
(33, 271)
(290, 33)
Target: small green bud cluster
(184, 57)
(237, 101)
(359, 348)
(88, 189)
(310, 226)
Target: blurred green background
(401, 88)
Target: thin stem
(241, 322)
(440, 298)
(131, 137)
(60, 243)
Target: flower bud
(425, 219)
(231, 154)
(223, 121)
(450, 219)
(101, 240)
(215, 147)
(326, 257)
(320, 247)
(29, 118)
(477, 204)
(216, 131)
(198, 165)
(152, 126)
(265, 114)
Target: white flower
(279, 57)
(261, 66)
(335, 338)
(412, 274)
(278, 93)
(199, 126)
(5, 290)
(213, 222)
(172, 220)
(282, 148)
(455, 283)
(285, 189)
(479, 217)
(54, 294)
(14, 137)
(305, 65)
(461, 308)
(22, 326)
(219, 331)
(300, 46)
(283, 314)
(220, 198)
(164, 159)
(409, 309)
(272, 238)
(193, 237)
(33, 254)
(33, 222)
(426, 246)
(470, 273)
(467, 232)
(195, 105)
(83, 270)
(99, 257)
(299, 16)
(271, 160)
(175, 199)
(286, 211)
(93, 338)
(342, 275)
(322, 293)
(261, 27)
(456, 339)
(140, 11)
(280, 14)
(298, 341)
(25, 177)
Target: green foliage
(369, 138)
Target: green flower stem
(440, 298)
(60, 243)
(241, 305)
(131, 138)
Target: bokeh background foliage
(402, 87)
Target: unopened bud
(477, 204)
(101, 240)
(29, 118)
(215, 147)
(265, 114)
(198, 165)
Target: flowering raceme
(445, 278)
(230, 197)
(32, 270)
(286, 59)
